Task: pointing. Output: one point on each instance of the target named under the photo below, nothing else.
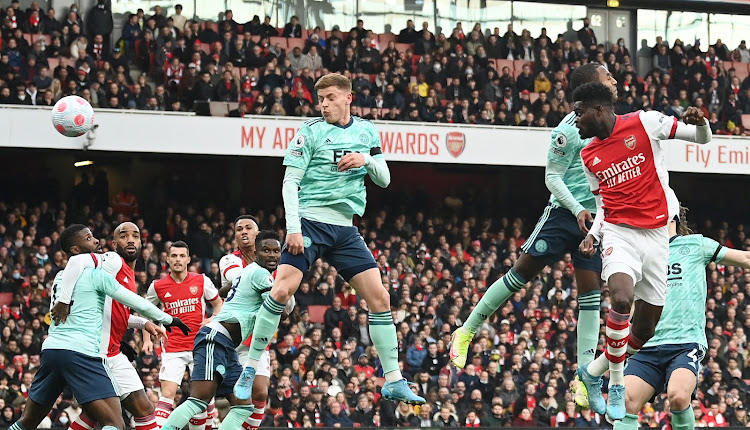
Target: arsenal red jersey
(627, 171)
(115, 321)
(185, 300)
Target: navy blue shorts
(655, 364)
(342, 246)
(557, 233)
(214, 353)
(87, 377)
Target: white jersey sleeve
(662, 127)
(230, 267)
(151, 295)
(596, 227)
(209, 289)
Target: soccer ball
(72, 116)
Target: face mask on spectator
(436, 67)
(63, 420)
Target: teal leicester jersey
(683, 319)
(317, 148)
(244, 301)
(565, 149)
(82, 331)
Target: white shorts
(643, 254)
(173, 366)
(264, 364)
(124, 375)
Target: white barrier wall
(133, 131)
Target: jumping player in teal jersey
(559, 231)
(217, 365)
(323, 188)
(71, 354)
(672, 356)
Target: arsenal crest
(630, 142)
(193, 289)
(455, 142)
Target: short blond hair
(334, 80)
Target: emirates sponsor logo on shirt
(623, 171)
(630, 142)
(181, 306)
(455, 142)
(193, 289)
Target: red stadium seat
(255, 38)
(533, 97)
(27, 36)
(205, 47)
(500, 63)
(518, 64)
(746, 121)
(47, 39)
(305, 33)
(53, 63)
(384, 38)
(5, 299)
(274, 40)
(741, 70)
(292, 43)
(317, 313)
(364, 111)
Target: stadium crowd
(325, 373)
(461, 76)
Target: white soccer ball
(72, 116)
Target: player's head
(178, 257)
(268, 249)
(593, 72)
(127, 237)
(245, 230)
(335, 95)
(77, 239)
(594, 110)
(679, 224)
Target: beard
(125, 256)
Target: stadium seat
(305, 34)
(53, 63)
(328, 35)
(218, 109)
(215, 27)
(46, 38)
(255, 38)
(6, 299)
(205, 47)
(317, 313)
(533, 97)
(274, 40)
(294, 43)
(746, 121)
(27, 36)
(741, 70)
(364, 111)
(518, 64)
(384, 38)
(500, 63)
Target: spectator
(292, 29)
(408, 34)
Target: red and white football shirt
(185, 300)
(627, 171)
(231, 266)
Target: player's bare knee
(281, 293)
(679, 400)
(380, 302)
(621, 301)
(631, 404)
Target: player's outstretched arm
(560, 156)
(735, 257)
(694, 127)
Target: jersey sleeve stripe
(229, 268)
(96, 261)
(595, 192)
(674, 129)
(211, 300)
(716, 253)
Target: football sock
(266, 324)
(634, 345)
(83, 422)
(16, 426)
(253, 422)
(630, 422)
(617, 329)
(588, 326)
(198, 421)
(498, 293)
(163, 409)
(145, 423)
(383, 335)
(210, 413)
(236, 417)
(183, 413)
(684, 419)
